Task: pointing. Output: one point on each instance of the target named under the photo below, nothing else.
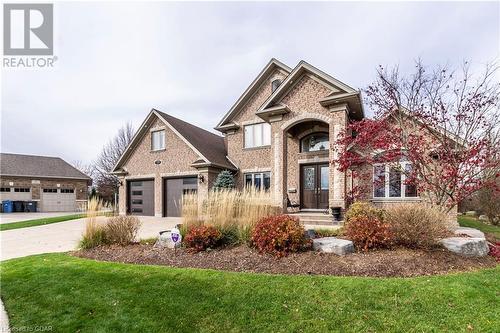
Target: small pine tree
(224, 180)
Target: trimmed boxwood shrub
(279, 235)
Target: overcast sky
(193, 60)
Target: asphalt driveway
(64, 236)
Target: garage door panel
(174, 189)
(141, 197)
(58, 202)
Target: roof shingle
(37, 166)
(210, 145)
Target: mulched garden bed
(381, 263)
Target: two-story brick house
(278, 135)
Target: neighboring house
(277, 136)
(54, 184)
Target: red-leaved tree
(444, 123)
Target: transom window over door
(315, 142)
(389, 181)
(257, 135)
(158, 140)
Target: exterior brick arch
(304, 117)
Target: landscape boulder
(333, 245)
(471, 232)
(483, 218)
(165, 240)
(469, 247)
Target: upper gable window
(158, 140)
(257, 135)
(275, 84)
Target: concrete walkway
(64, 236)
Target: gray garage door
(174, 188)
(141, 197)
(58, 200)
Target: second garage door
(174, 189)
(58, 200)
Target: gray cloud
(193, 60)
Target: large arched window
(315, 142)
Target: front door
(314, 185)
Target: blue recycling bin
(8, 206)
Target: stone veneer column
(337, 179)
(122, 197)
(276, 176)
(158, 181)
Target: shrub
(230, 236)
(279, 235)
(416, 225)
(202, 237)
(93, 236)
(495, 251)
(368, 232)
(121, 230)
(224, 180)
(365, 209)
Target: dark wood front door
(314, 186)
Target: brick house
(277, 136)
(53, 183)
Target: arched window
(315, 142)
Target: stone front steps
(317, 219)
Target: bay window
(389, 181)
(257, 135)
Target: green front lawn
(78, 295)
(32, 223)
(472, 222)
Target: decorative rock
(165, 240)
(471, 232)
(333, 245)
(469, 247)
(483, 218)
(470, 213)
(310, 233)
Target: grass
(33, 223)
(78, 295)
(472, 222)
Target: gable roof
(272, 65)
(208, 146)
(340, 91)
(38, 166)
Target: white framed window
(158, 140)
(257, 135)
(260, 180)
(389, 181)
